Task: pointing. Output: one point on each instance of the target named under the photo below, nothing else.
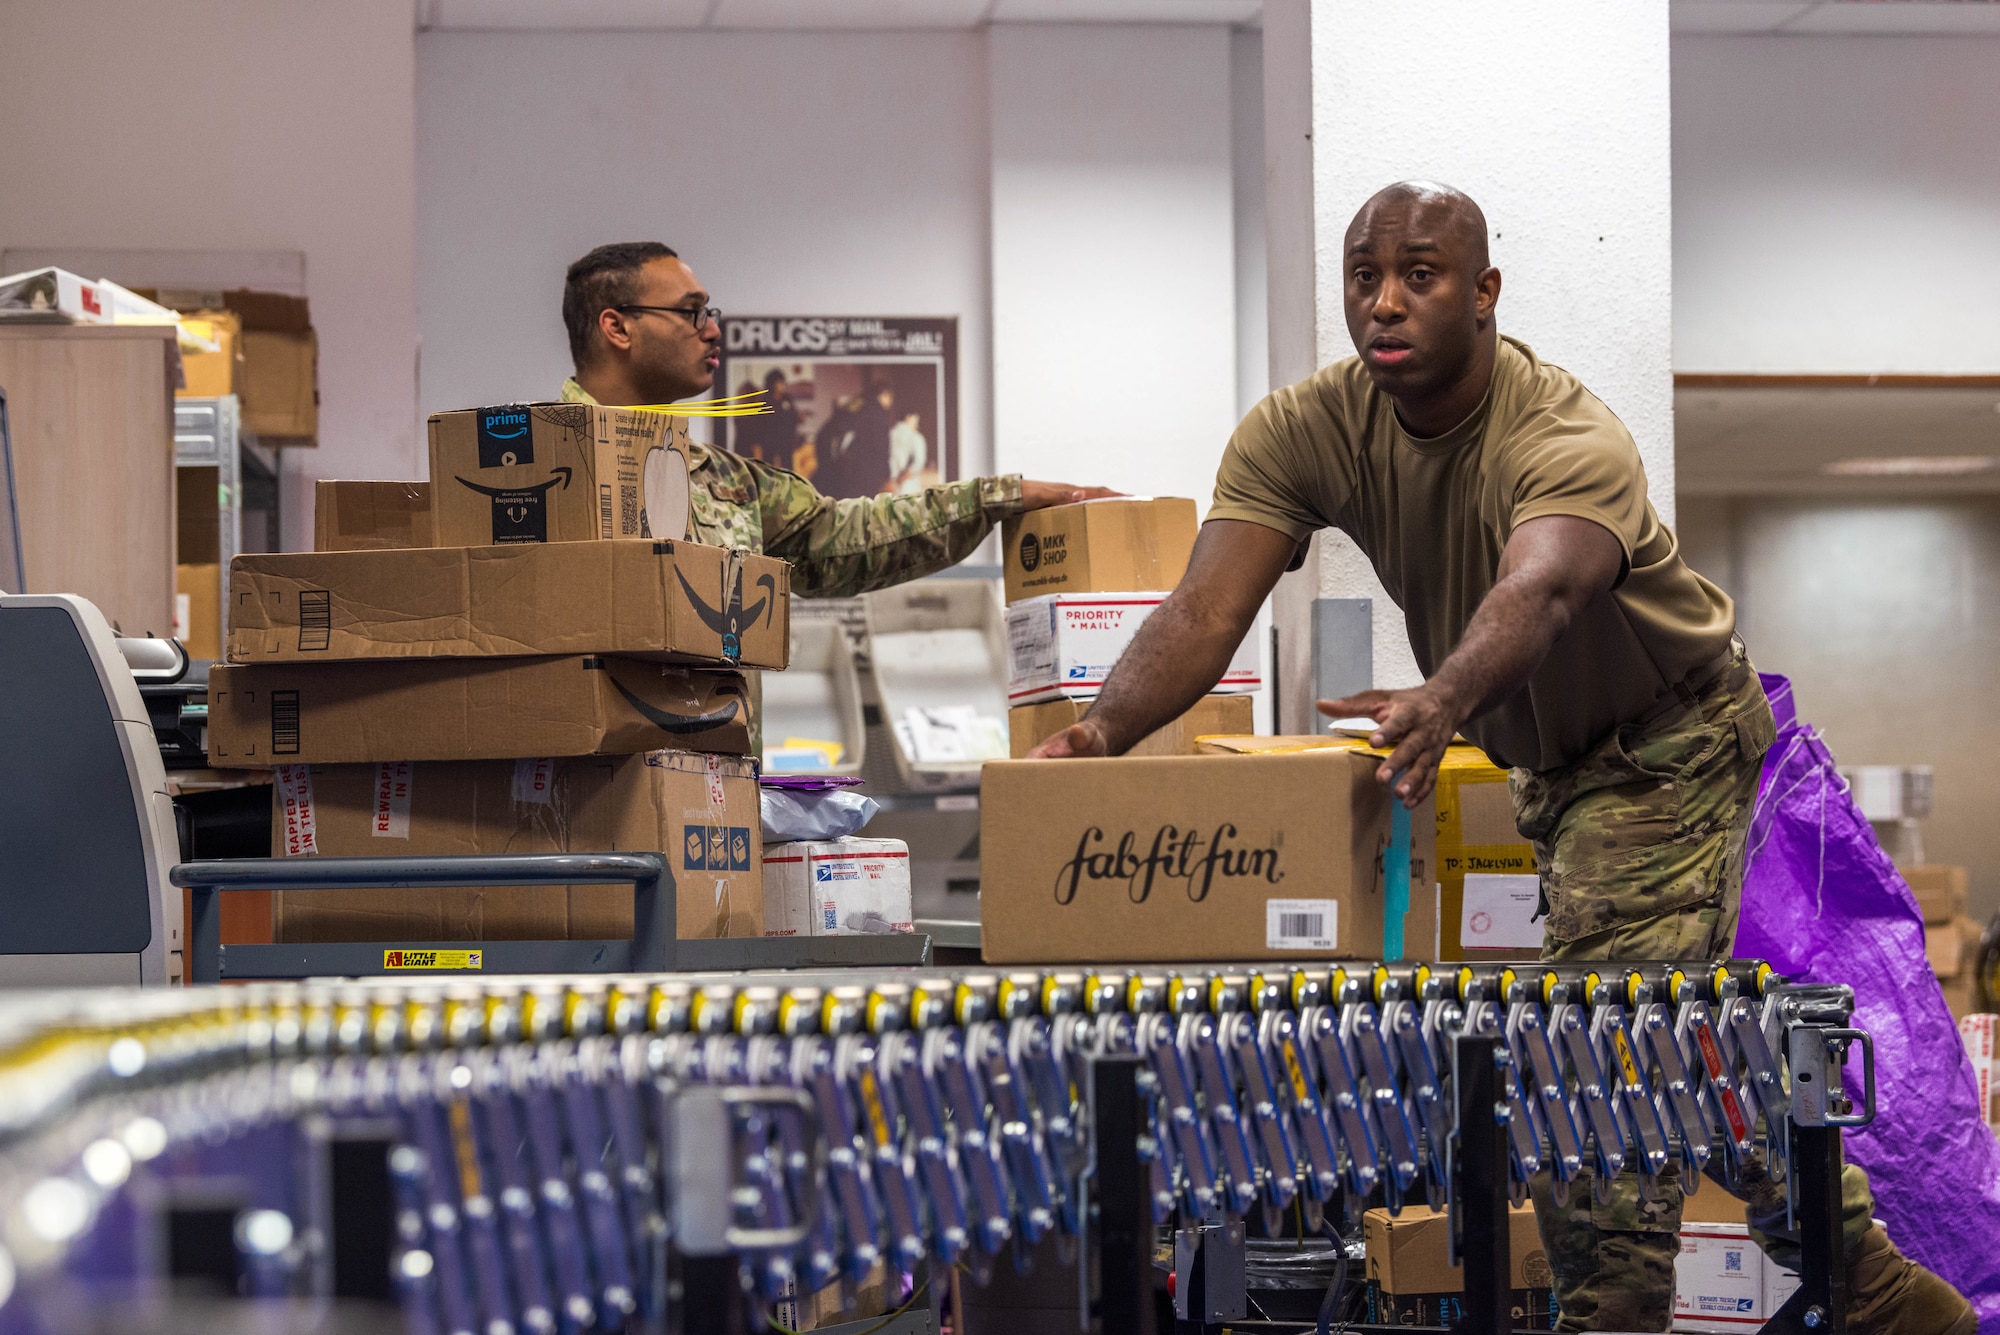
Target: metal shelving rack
(208, 434)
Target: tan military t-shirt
(1434, 514)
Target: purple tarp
(1823, 903)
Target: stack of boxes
(1080, 581)
(559, 672)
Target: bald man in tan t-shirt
(1504, 508)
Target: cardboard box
(279, 382)
(1412, 1283)
(371, 516)
(1940, 890)
(1029, 725)
(674, 601)
(343, 713)
(699, 809)
(557, 472)
(1064, 645)
(1489, 885)
(208, 375)
(1191, 858)
(1719, 1279)
(1108, 546)
(837, 887)
(1978, 1032)
(198, 609)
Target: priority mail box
(1029, 725)
(1064, 645)
(676, 601)
(1192, 858)
(557, 472)
(837, 887)
(497, 709)
(1411, 1281)
(1719, 1280)
(370, 516)
(701, 810)
(1106, 546)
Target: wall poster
(865, 404)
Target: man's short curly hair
(606, 277)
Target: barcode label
(605, 528)
(315, 620)
(1301, 924)
(284, 723)
(628, 511)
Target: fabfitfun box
(1192, 858)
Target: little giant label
(432, 959)
(1301, 924)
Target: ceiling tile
(561, 14)
(1126, 11)
(850, 13)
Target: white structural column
(1553, 114)
(1114, 303)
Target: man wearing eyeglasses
(641, 331)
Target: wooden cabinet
(93, 425)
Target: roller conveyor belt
(566, 1150)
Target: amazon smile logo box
(557, 472)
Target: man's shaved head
(1419, 292)
(1429, 206)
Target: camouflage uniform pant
(1640, 845)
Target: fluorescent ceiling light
(1912, 465)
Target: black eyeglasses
(698, 316)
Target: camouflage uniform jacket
(836, 548)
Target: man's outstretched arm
(1551, 567)
(1185, 645)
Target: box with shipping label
(1978, 1032)
(1718, 1279)
(1489, 885)
(1029, 725)
(675, 601)
(1411, 1281)
(370, 516)
(700, 810)
(837, 887)
(1115, 545)
(443, 709)
(1193, 858)
(557, 472)
(1064, 645)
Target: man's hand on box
(1078, 739)
(1418, 723)
(1041, 495)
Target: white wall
(1114, 309)
(237, 124)
(1246, 151)
(1836, 204)
(810, 173)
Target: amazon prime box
(675, 601)
(490, 709)
(557, 472)
(701, 810)
(1192, 858)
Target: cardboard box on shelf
(675, 601)
(837, 887)
(445, 709)
(1940, 890)
(701, 810)
(279, 382)
(198, 609)
(1107, 546)
(1028, 725)
(370, 516)
(557, 472)
(1952, 947)
(212, 374)
(1412, 1282)
(1063, 645)
(1194, 858)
